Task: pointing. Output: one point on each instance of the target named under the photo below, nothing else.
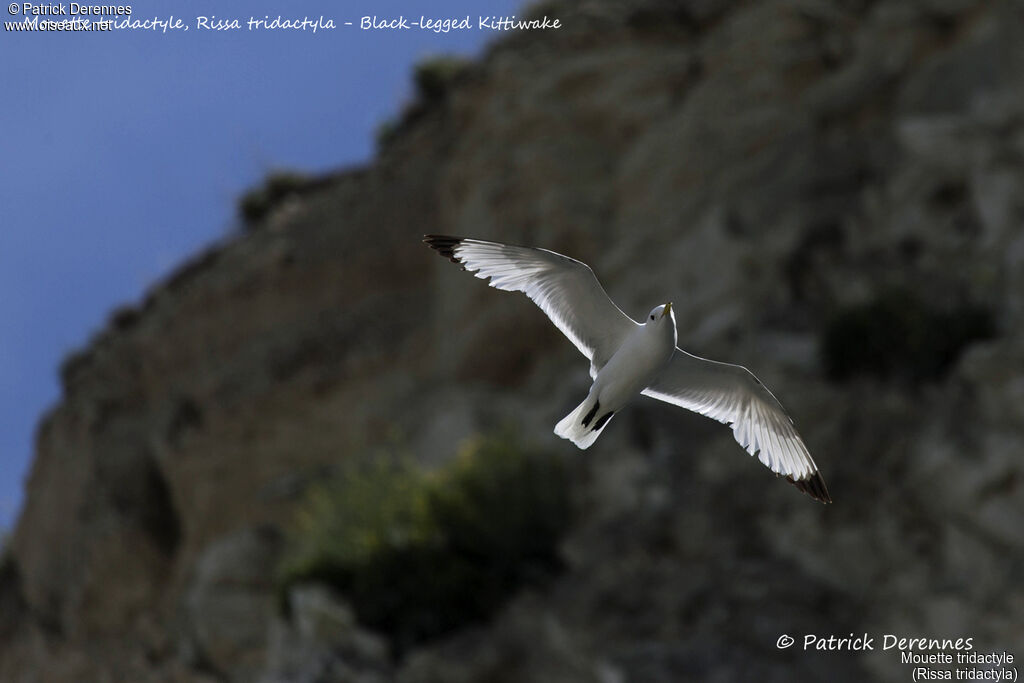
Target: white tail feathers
(583, 435)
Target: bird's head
(662, 321)
(662, 314)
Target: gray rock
(230, 603)
(321, 641)
(763, 165)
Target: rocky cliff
(827, 190)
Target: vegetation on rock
(434, 77)
(420, 554)
(258, 202)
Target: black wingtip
(444, 245)
(813, 486)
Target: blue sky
(123, 152)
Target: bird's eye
(652, 317)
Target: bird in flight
(628, 358)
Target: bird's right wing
(564, 288)
(731, 394)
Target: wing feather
(564, 288)
(732, 395)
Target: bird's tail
(584, 424)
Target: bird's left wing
(731, 394)
(564, 288)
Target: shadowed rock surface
(767, 166)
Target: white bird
(628, 358)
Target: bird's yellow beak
(668, 309)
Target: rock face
(761, 164)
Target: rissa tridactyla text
(628, 358)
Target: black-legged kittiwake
(628, 358)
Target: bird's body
(629, 358)
(632, 368)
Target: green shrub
(419, 555)
(897, 335)
(369, 508)
(255, 204)
(434, 77)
